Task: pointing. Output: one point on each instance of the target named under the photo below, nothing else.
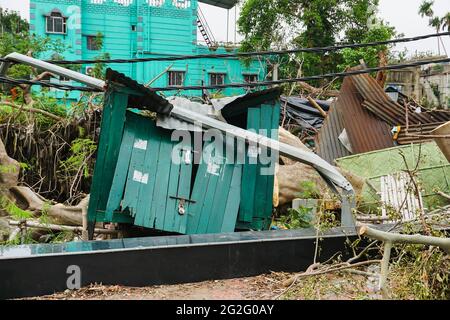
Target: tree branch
(32, 110)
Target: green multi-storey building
(140, 29)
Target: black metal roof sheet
(146, 98)
(226, 4)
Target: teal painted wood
(120, 176)
(160, 193)
(257, 188)
(112, 125)
(172, 192)
(153, 142)
(150, 177)
(215, 206)
(152, 156)
(218, 213)
(250, 170)
(136, 172)
(198, 195)
(184, 190)
(271, 178)
(210, 190)
(140, 29)
(118, 217)
(233, 201)
(262, 176)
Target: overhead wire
(6, 79)
(59, 86)
(304, 79)
(249, 54)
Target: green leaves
(426, 10)
(281, 24)
(82, 150)
(298, 218)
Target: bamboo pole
(316, 105)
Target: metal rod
(36, 63)
(284, 149)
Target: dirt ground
(338, 286)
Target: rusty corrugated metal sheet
(364, 130)
(376, 100)
(328, 145)
(417, 129)
(368, 115)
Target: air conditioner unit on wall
(89, 70)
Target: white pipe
(284, 149)
(36, 63)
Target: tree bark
(443, 243)
(57, 227)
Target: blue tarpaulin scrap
(303, 112)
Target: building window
(56, 23)
(176, 78)
(216, 79)
(93, 43)
(250, 78)
(133, 27)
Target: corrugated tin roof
(146, 98)
(378, 102)
(364, 130)
(226, 4)
(417, 133)
(302, 112)
(328, 145)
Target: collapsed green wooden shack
(137, 182)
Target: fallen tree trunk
(389, 239)
(443, 243)
(292, 177)
(57, 213)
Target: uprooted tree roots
(46, 164)
(56, 156)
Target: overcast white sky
(401, 14)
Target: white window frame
(54, 15)
(172, 76)
(250, 75)
(217, 74)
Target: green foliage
(81, 150)
(10, 21)
(297, 218)
(13, 210)
(99, 40)
(15, 37)
(351, 57)
(5, 169)
(309, 190)
(421, 273)
(42, 100)
(439, 23)
(279, 24)
(99, 68)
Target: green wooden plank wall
(146, 182)
(135, 177)
(257, 189)
(110, 141)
